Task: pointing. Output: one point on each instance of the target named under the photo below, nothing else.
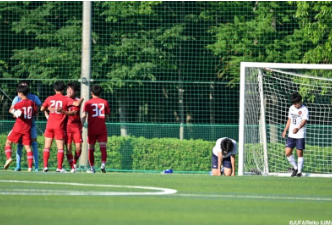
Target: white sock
(103, 165)
(291, 160)
(74, 166)
(92, 167)
(300, 164)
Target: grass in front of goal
(200, 199)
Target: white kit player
(297, 118)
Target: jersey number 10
(27, 112)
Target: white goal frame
(258, 65)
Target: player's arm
(15, 100)
(295, 130)
(286, 128)
(68, 113)
(83, 118)
(78, 102)
(46, 114)
(43, 109)
(233, 165)
(16, 112)
(220, 158)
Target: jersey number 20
(56, 104)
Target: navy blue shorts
(294, 142)
(226, 162)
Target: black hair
(23, 89)
(226, 146)
(73, 85)
(295, 97)
(24, 83)
(59, 86)
(96, 90)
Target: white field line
(264, 197)
(8, 191)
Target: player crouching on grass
(298, 116)
(96, 111)
(24, 111)
(223, 153)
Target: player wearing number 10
(55, 127)
(33, 131)
(24, 111)
(96, 110)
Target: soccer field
(138, 198)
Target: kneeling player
(223, 153)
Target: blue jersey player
(35, 99)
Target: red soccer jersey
(56, 120)
(29, 110)
(96, 108)
(74, 122)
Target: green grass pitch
(200, 199)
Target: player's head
(24, 83)
(96, 90)
(23, 90)
(59, 86)
(226, 146)
(296, 99)
(72, 88)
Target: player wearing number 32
(23, 111)
(298, 116)
(55, 128)
(96, 110)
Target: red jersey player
(96, 110)
(24, 111)
(74, 128)
(55, 128)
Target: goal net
(265, 91)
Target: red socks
(103, 153)
(60, 158)
(8, 152)
(46, 156)
(70, 160)
(91, 157)
(30, 159)
(77, 156)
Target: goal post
(265, 90)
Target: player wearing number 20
(298, 116)
(96, 110)
(24, 111)
(55, 128)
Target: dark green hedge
(157, 154)
(132, 153)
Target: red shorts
(92, 138)
(15, 137)
(75, 137)
(55, 133)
